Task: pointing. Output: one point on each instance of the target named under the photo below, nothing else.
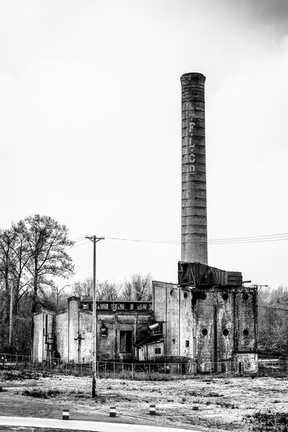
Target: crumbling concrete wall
(246, 331)
(73, 328)
(210, 325)
(74, 333)
(214, 315)
(151, 351)
(61, 334)
(120, 340)
(172, 307)
(203, 308)
(43, 338)
(117, 331)
(85, 340)
(225, 323)
(38, 341)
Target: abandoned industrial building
(208, 317)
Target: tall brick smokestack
(194, 209)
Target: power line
(231, 240)
(145, 241)
(82, 244)
(79, 242)
(219, 241)
(252, 239)
(78, 239)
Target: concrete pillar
(194, 209)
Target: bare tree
(83, 289)
(53, 297)
(32, 253)
(46, 241)
(21, 256)
(104, 290)
(107, 290)
(60, 295)
(138, 288)
(273, 320)
(8, 264)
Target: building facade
(213, 326)
(208, 317)
(68, 334)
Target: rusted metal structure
(201, 275)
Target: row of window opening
(225, 296)
(225, 332)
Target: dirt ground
(214, 404)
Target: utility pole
(94, 240)
(11, 314)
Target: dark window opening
(225, 332)
(245, 332)
(245, 297)
(126, 341)
(171, 292)
(187, 343)
(173, 340)
(103, 331)
(157, 350)
(45, 329)
(225, 296)
(185, 295)
(197, 295)
(204, 332)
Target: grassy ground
(217, 404)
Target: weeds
(38, 393)
(78, 394)
(143, 376)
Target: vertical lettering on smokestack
(194, 208)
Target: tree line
(33, 256)
(33, 259)
(137, 288)
(273, 321)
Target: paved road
(84, 425)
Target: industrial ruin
(209, 317)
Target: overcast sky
(90, 105)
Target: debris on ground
(218, 404)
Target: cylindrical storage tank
(194, 208)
